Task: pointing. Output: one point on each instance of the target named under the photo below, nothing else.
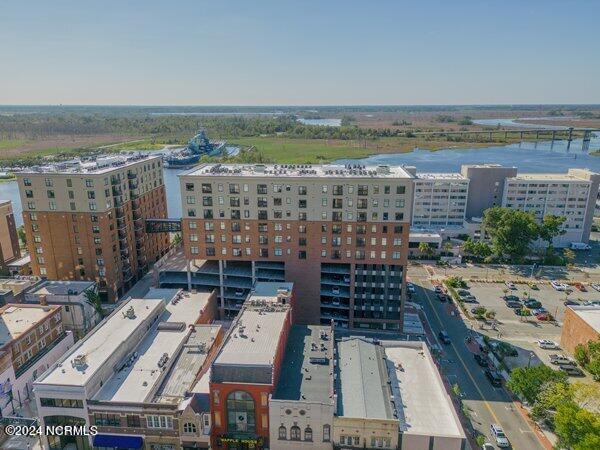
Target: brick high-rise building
(9, 240)
(85, 220)
(340, 233)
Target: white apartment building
(571, 195)
(440, 200)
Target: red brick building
(246, 371)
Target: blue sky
(299, 52)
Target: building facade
(580, 326)
(9, 239)
(571, 195)
(339, 232)
(85, 221)
(32, 338)
(247, 369)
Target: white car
(559, 286)
(591, 303)
(547, 344)
(499, 435)
(410, 287)
(511, 285)
(335, 290)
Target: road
(487, 404)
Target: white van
(580, 246)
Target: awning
(118, 441)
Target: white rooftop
(100, 165)
(17, 319)
(136, 382)
(441, 176)
(422, 402)
(269, 290)
(254, 338)
(589, 314)
(299, 171)
(547, 177)
(103, 342)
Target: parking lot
(523, 332)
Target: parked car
(410, 288)
(511, 298)
(470, 299)
(346, 279)
(499, 436)
(532, 304)
(481, 360)
(596, 286)
(443, 297)
(515, 304)
(543, 317)
(444, 337)
(335, 290)
(559, 286)
(547, 344)
(580, 286)
(488, 446)
(570, 302)
(533, 286)
(463, 292)
(239, 292)
(591, 303)
(494, 378)
(580, 246)
(558, 359)
(573, 371)
(536, 311)
(438, 289)
(511, 285)
(522, 312)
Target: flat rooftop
(298, 171)
(421, 400)
(547, 177)
(63, 287)
(100, 165)
(589, 314)
(362, 383)
(137, 380)
(307, 369)
(190, 360)
(441, 176)
(16, 319)
(103, 341)
(269, 290)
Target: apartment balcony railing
(131, 175)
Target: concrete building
(580, 326)
(390, 395)
(339, 232)
(132, 374)
(78, 314)
(486, 186)
(247, 369)
(571, 195)
(9, 239)
(32, 337)
(85, 220)
(440, 201)
(302, 408)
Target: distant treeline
(39, 126)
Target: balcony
(131, 175)
(137, 215)
(135, 204)
(115, 181)
(122, 233)
(119, 211)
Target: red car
(580, 287)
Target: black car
(572, 371)
(511, 298)
(570, 303)
(494, 378)
(481, 360)
(444, 337)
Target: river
(527, 156)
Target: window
(189, 428)
(61, 403)
(326, 433)
(241, 416)
(159, 421)
(107, 420)
(295, 433)
(308, 434)
(282, 433)
(133, 421)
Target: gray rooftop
(63, 287)
(307, 370)
(362, 382)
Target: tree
(425, 248)
(576, 427)
(22, 234)
(550, 397)
(569, 255)
(93, 298)
(176, 239)
(512, 231)
(551, 227)
(477, 249)
(529, 381)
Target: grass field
(310, 151)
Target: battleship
(197, 147)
